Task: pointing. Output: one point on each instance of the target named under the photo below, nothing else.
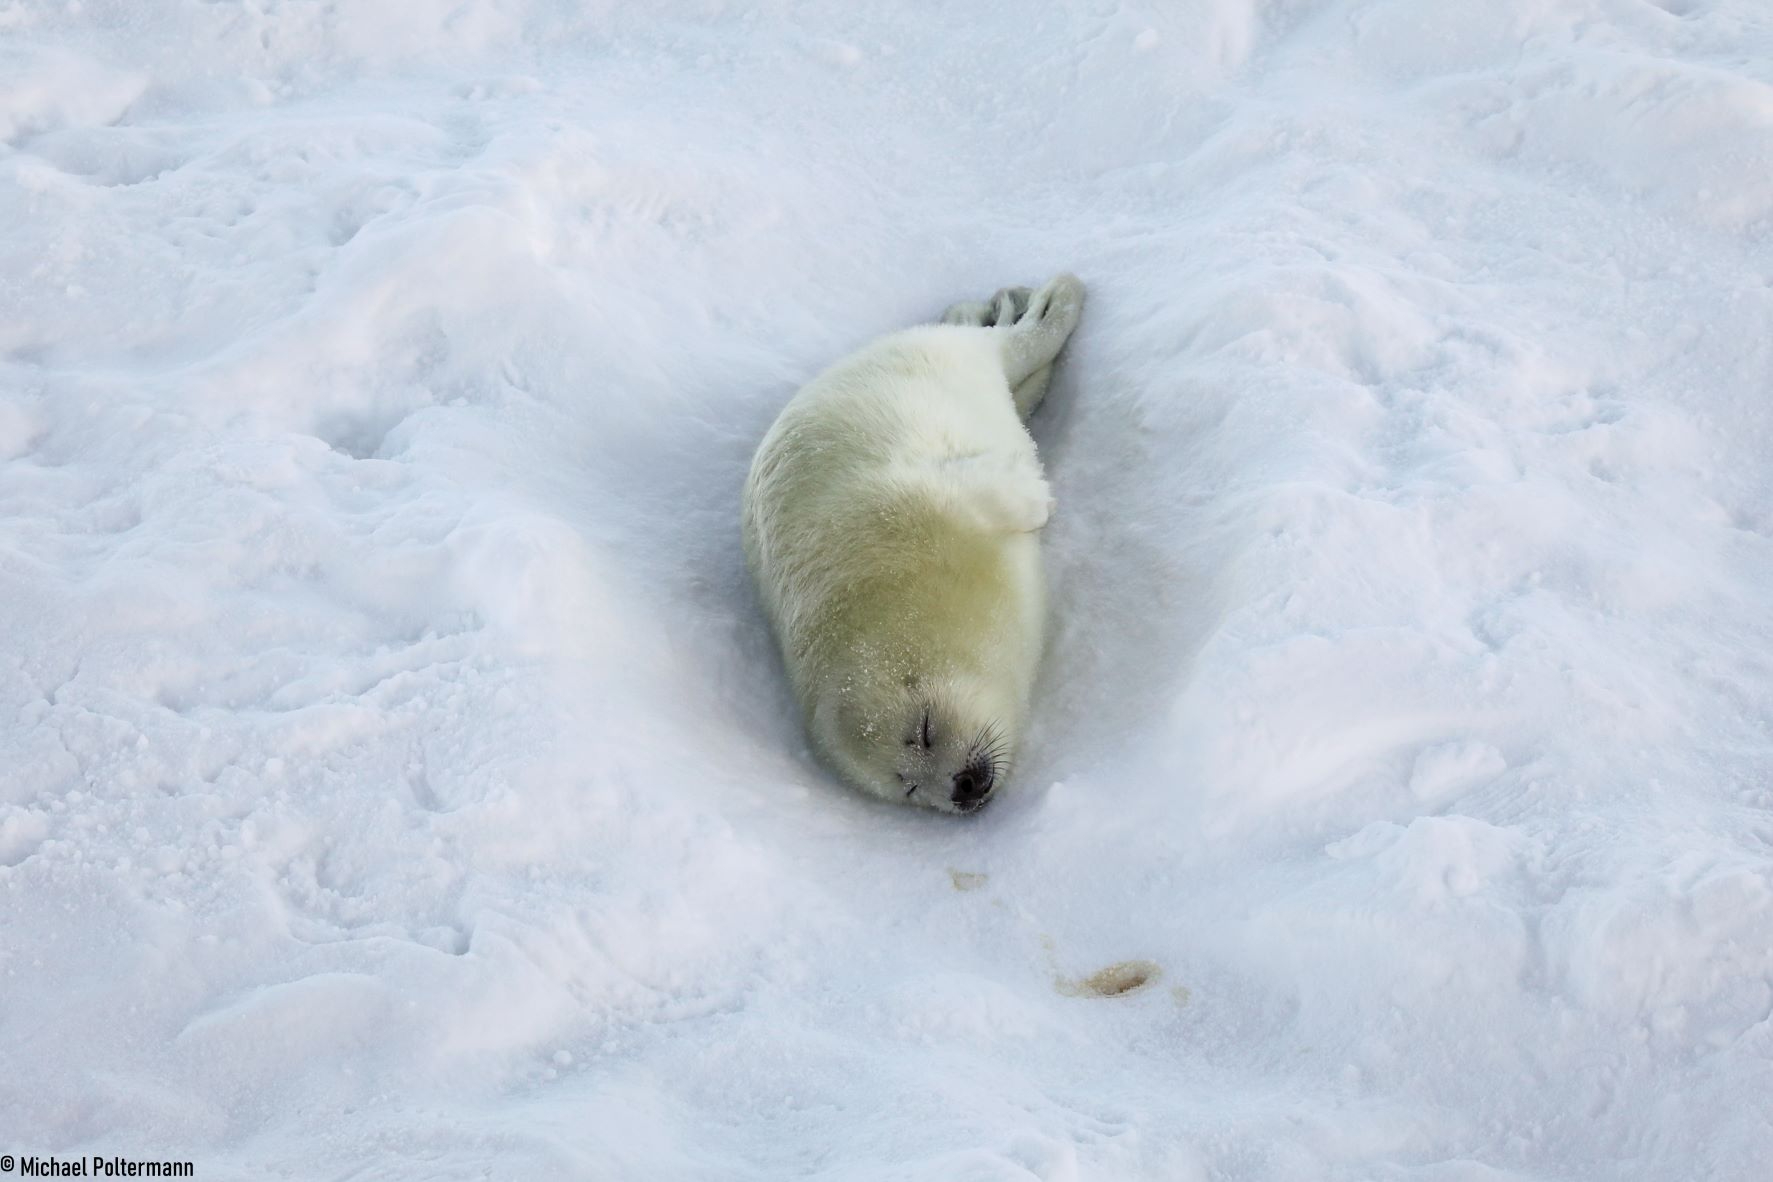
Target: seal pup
(891, 519)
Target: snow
(396, 779)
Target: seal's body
(891, 520)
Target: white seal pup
(891, 521)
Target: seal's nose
(971, 786)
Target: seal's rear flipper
(1004, 308)
(1028, 395)
(1038, 335)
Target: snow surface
(396, 779)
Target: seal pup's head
(945, 747)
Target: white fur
(891, 519)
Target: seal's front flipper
(996, 497)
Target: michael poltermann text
(95, 1166)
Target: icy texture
(395, 774)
